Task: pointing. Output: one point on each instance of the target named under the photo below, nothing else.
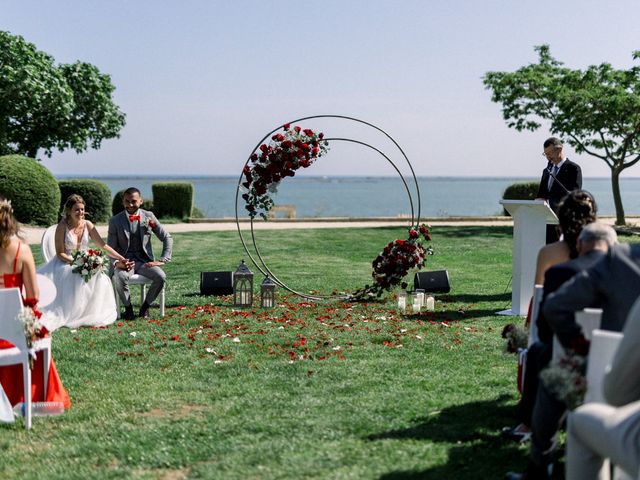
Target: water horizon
(370, 195)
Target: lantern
(268, 293)
(242, 286)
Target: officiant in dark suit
(560, 177)
(130, 235)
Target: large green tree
(46, 107)
(596, 110)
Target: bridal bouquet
(89, 262)
(288, 151)
(30, 317)
(565, 379)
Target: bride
(78, 303)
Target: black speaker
(436, 281)
(216, 283)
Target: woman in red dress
(18, 269)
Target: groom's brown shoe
(128, 313)
(144, 311)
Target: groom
(130, 235)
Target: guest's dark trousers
(548, 414)
(538, 357)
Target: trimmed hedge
(32, 189)
(96, 194)
(117, 207)
(173, 199)
(520, 191)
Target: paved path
(34, 234)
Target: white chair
(48, 243)
(143, 282)
(589, 319)
(12, 330)
(538, 291)
(604, 344)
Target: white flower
(133, 334)
(236, 340)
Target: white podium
(530, 218)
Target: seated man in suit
(597, 431)
(560, 177)
(130, 235)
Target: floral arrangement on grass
(88, 262)
(517, 338)
(30, 317)
(281, 157)
(566, 378)
(395, 262)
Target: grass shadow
(475, 426)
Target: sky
(203, 81)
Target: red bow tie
(133, 218)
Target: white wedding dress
(78, 303)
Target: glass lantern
(242, 286)
(267, 293)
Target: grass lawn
(306, 390)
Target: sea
(215, 196)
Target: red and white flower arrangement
(88, 263)
(395, 262)
(286, 152)
(30, 317)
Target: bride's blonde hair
(8, 224)
(70, 203)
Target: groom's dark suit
(133, 241)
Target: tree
(47, 107)
(596, 110)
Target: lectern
(530, 218)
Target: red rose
(399, 242)
(308, 132)
(297, 129)
(286, 126)
(423, 229)
(264, 148)
(314, 151)
(321, 135)
(427, 236)
(286, 144)
(413, 233)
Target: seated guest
(612, 283)
(18, 269)
(576, 210)
(596, 431)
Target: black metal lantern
(242, 286)
(267, 293)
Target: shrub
(116, 205)
(96, 194)
(520, 191)
(173, 199)
(32, 189)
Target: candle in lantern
(415, 300)
(402, 301)
(430, 304)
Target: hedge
(520, 191)
(32, 189)
(96, 194)
(173, 199)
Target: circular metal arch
(262, 266)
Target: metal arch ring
(267, 272)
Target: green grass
(306, 390)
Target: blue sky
(202, 81)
